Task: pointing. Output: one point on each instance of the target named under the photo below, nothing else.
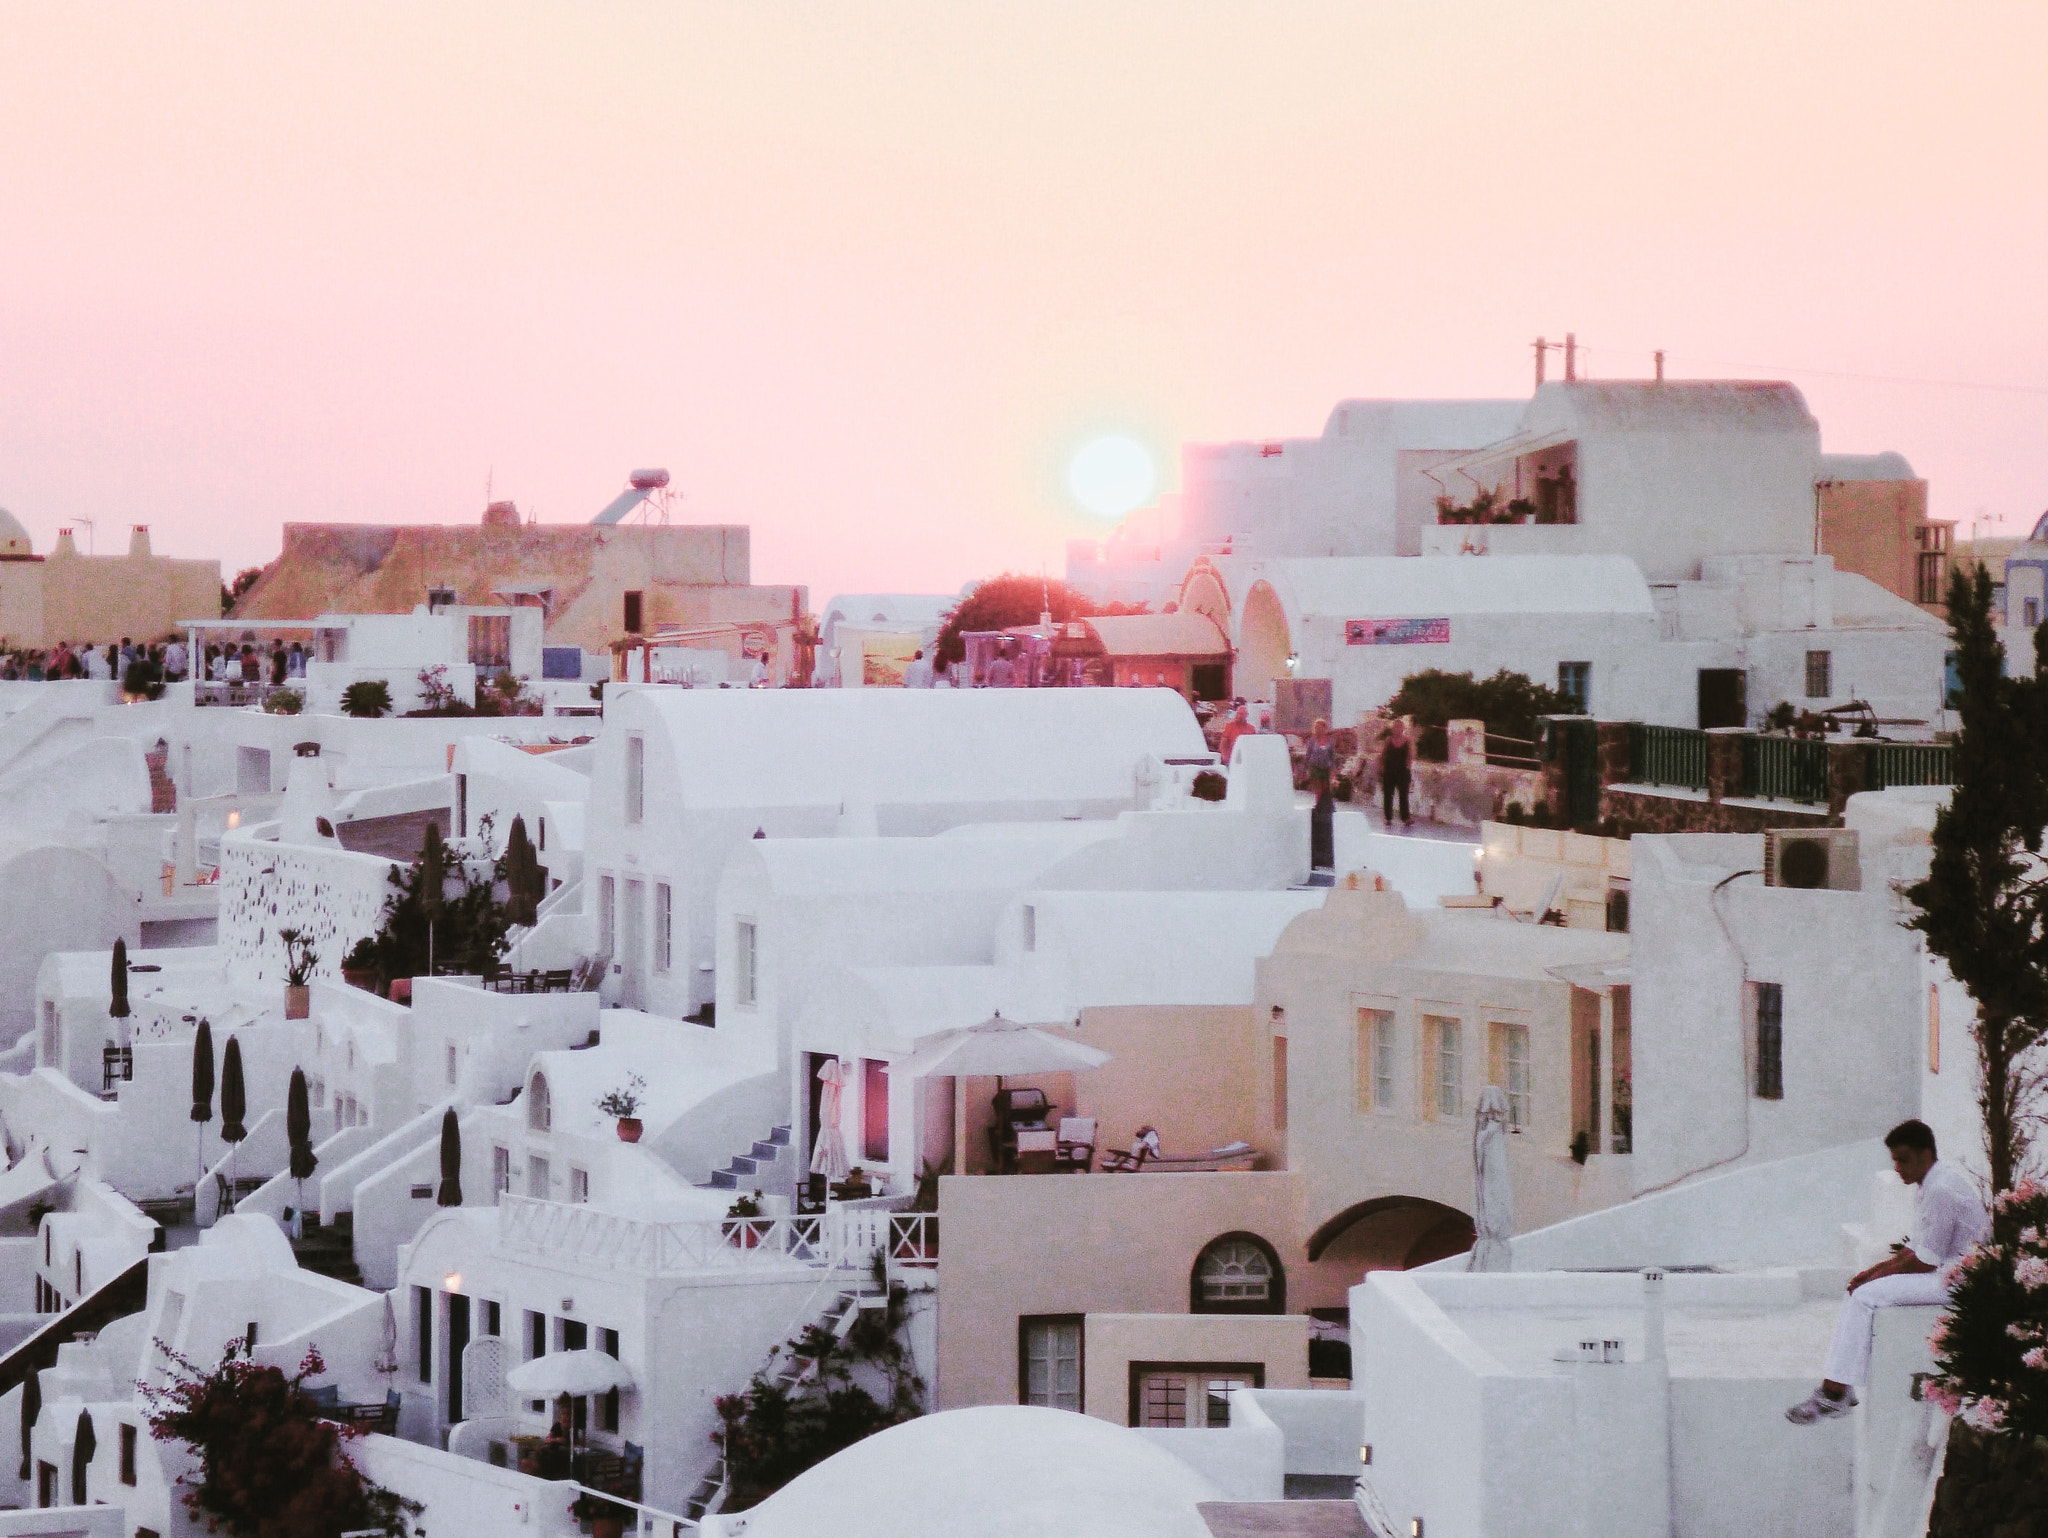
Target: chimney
(1541, 348)
(1571, 357)
(66, 545)
(1660, 365)
(138, 541)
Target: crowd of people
(140, 664)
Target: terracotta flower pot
(298, 1002)
(629, 1129)
(606, 1527)
(360, 977)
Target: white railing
(841, 1237)
(647, 1521)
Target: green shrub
(366, 699)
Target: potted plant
(624, 1103)
(607, 1519)
(743, 1224)
(300, 959)
(359, 966)
(366, 699)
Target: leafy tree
(1508, 703)
(1015, 599)
(232, 594)
(1982, 905)
(269, 1466)
(468, 927)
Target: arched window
(1238, 1274)
(539, 1115)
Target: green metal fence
(1785, 768)
(1909, 763)
(1667, 755)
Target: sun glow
(1111, 475)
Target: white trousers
(1849, 1356)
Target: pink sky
(863, 275)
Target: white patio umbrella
(575, 1373)
(828, 1155)
(1493, 1198)
(995, 1049)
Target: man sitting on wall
(1948, 1218)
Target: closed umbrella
(433, 876)
(119, 1007)
(387, 1341)
(83, 1446)
(234, 1105)
(521, 868)
(450, 1192)
(31, 1407)
(202, 1091)
(1493, 1198)
(828, 1155)
(298, 1131)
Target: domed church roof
(13, 537)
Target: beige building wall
(1376, 1173)
(685, 574)
(1879, 529)
(1190, 1071)
(1018, 1246)
(101, 598)
(1110, 1343)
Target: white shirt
(1948, 1217)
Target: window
(490, 641)
(631, 613)
(423, 1331)
(664, 926)
(540, 1114)
(1238, 1274)
(462, 806)
(575, 1334)
(2030, 612)
(536, 1335)
(874, 1103)
(319, 1093)
(491, 1318)
(607, 891)
(127, 1454)
(1931, 564)
(1575, 683)
(746, 957)
(1510, 1070)
(1444, 1075)
(608, 1405)
(537, 1176)
(1279, 1083)
(1770, 1041)
(1049, 1361)
(451, 1062)
(579, 1184)
(636, 777)
(1820, 675)
(501, 1171)
(1189, 1395)
(1375, 1060)
(1030, 926)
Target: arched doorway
(1263, 643)
(1392, 1233)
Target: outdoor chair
(1074, 1151)
(1145, 1155)
(557, 980)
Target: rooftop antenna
(1543, 347)
(87, 522)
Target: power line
(1896, 379)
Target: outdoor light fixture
(1293, 661)
(568, 1304)
(1415, 1528)
(452, 1282)
(234, 819)
(1365, 1452)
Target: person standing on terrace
(1394, 755)
(1948, 1219)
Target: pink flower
(2037, 1359)
(2031, 1271)
(1942, 1397)
(1985, 1414)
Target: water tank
(647, 480)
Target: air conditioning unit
(1812, 858)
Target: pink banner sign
(1397, 632)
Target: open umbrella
(994, 1049)
(449, 1193)
(574, 1373)
(119, 1007)
(1493, 1199)
(31, 1407)
(84, 1444)
(202, 1091)
(234, 1105)
(828, 1155)
(298, 1131)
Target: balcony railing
(1910, 763)
(848, 1237)
(1667, 755)
(1785, 768)
(235, 695)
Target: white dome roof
(995, 1471)
(13, 537)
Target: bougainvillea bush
(1991, 1351)
(269, 1466)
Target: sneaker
(1818, 1407)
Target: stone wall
(1637, 811)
